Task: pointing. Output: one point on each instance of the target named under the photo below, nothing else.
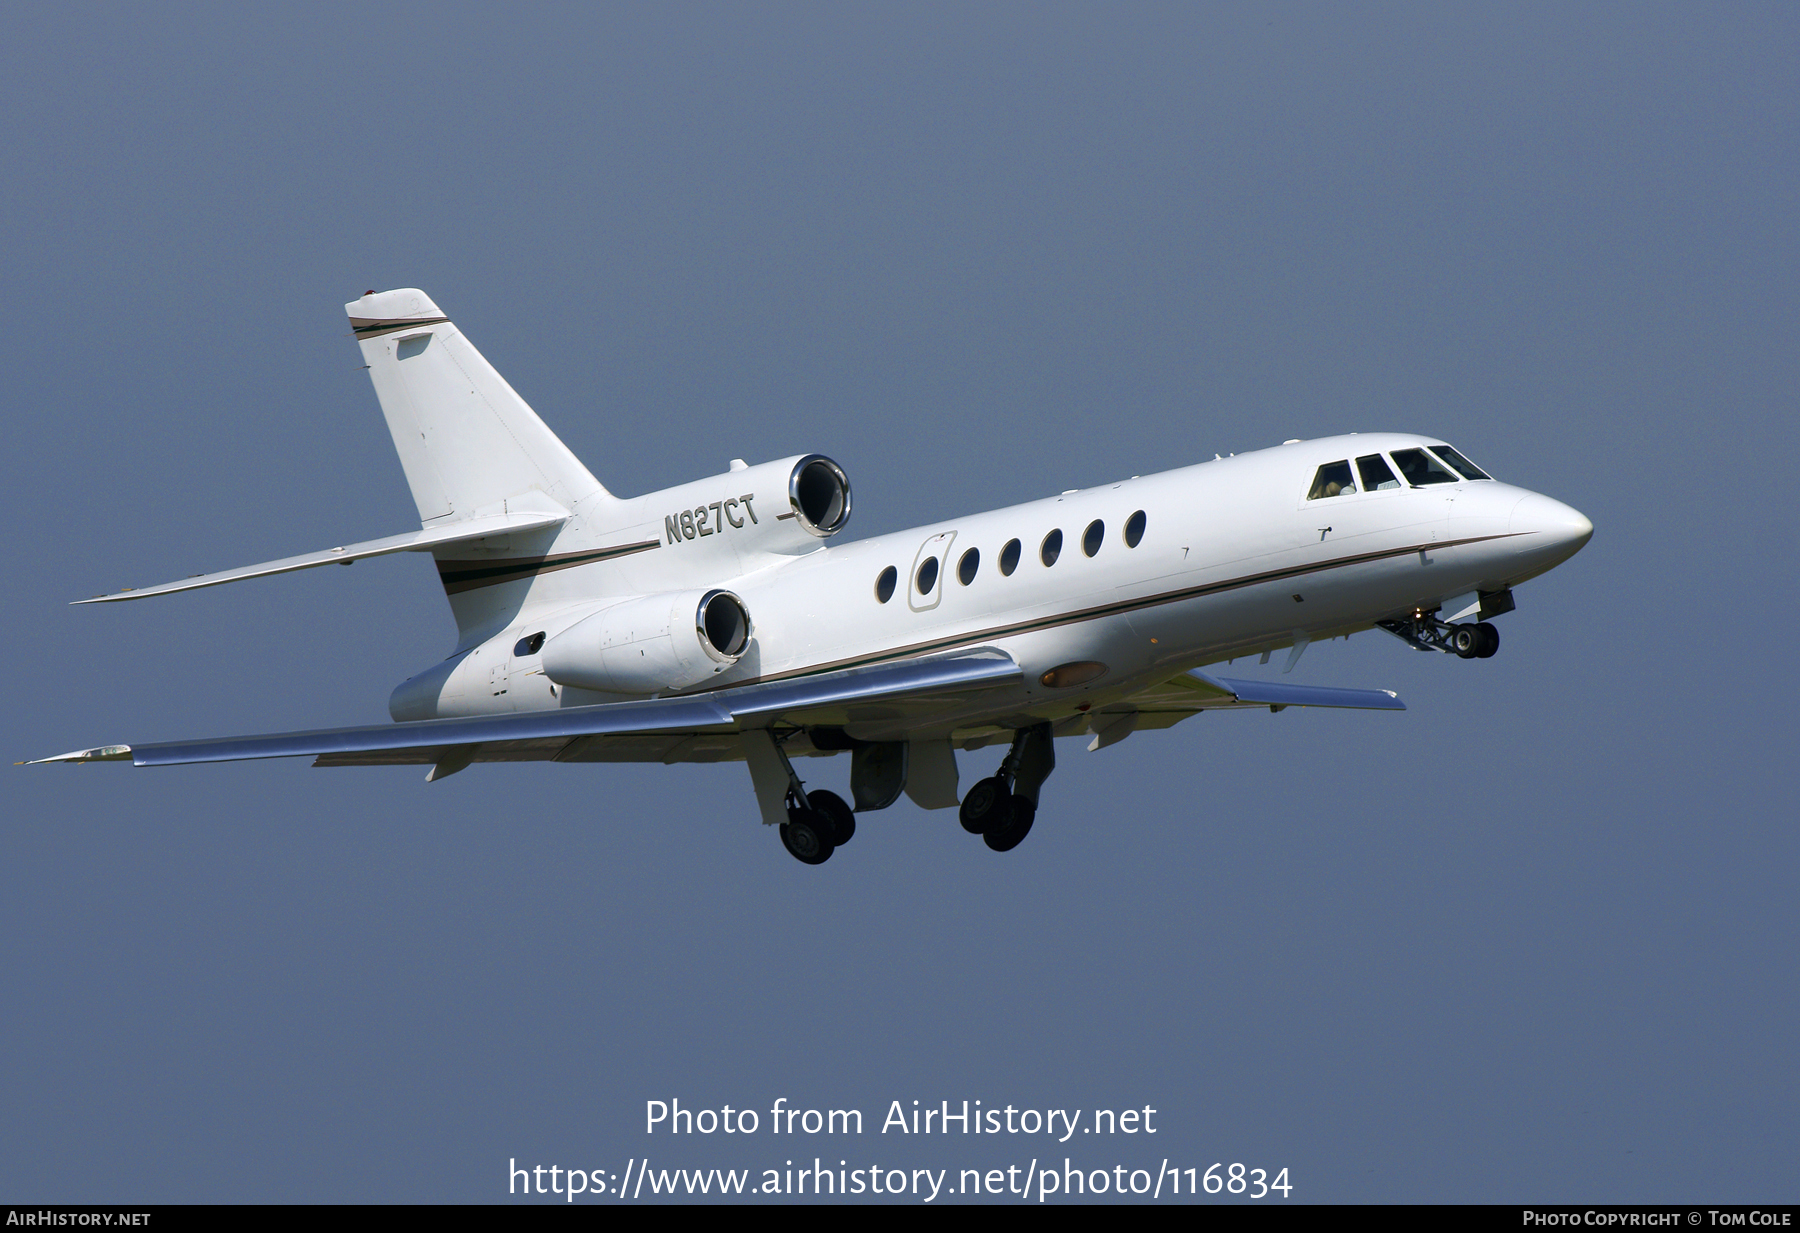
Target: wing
(705, 725)
(1167, 704)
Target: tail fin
(468, 443)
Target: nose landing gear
(1002, 807)
(1426, 633)
(1474, 641)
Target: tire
(1008, 837)
(1490, 640)
(837, 813)
(986, 807)
(803, 835)
(1465, 640)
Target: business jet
(723, 620)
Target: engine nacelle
(785, 506)
(674, 640)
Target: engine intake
(724, 626)
(819, 492)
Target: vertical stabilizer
(468, 443)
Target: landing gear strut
(1002, 807)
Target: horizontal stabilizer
(545, 734)
(412, 541)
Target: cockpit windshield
(1421, 469)
(1333, 480)
(1456, 460)
(1420, 466)
(1375, 474)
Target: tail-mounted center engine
(669, 641)
(786, 506)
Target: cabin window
(1051, 548)
(1092, 537)
(1009, 558)
(1375, 473)
(1332, 480)
(927, 577)
(884, 585)
(965, 568)
(1134, 529)
(1457, 461)
(1421, 468)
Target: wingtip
(102, 753)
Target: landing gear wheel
(987, 807)
(1488, 640)
(837, 813)
(1466, 640)
(804, 836)
(1006, 838)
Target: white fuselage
(1233, 559)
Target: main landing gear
(1426, 633)
(813, 824)
(817, 826)
(1002, 807)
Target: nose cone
(1547, 531)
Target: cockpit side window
(1421, 469)
(1375, 473)
(1456, 460)
(1332, 480)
